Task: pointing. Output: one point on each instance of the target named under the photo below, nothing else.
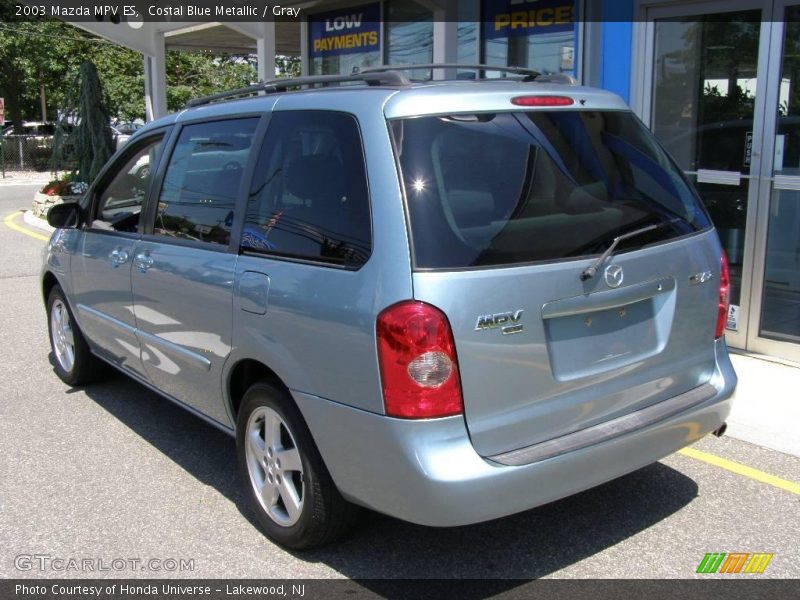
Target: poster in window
(345, 31)
(511, 18)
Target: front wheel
(74, 362)
(287, 484)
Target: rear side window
(511, 188)
(202, 180)
(309, 198)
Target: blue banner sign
(347, 31)
(510, 18)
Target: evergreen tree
(83, 135)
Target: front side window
(119, 204)
(511, 188)
(309, 196)
(199, 192)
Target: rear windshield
(511, 188)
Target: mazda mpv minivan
(447, 301)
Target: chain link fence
(28, 153)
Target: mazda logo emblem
(614, 276)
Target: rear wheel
(286, 481)
(74, 362)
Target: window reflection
(120, 203)
(309, 196)
(202, 180)
(546, 53)
(704, 86)
(780, 310)
(704, 89)
(409, 35)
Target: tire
(295, 501)
(74, 362)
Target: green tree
(35, 57)
(46, 54)
(193, 74)
(122, 74)
(90, 144)
(288, 66)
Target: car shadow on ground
(528, 545)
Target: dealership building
(718, 82)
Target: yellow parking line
(741, 469)
(9, 221)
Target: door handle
(143, 262)
(118, 257)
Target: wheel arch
(243, 374)
(49, 281)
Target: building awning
(223, 37)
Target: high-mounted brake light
(542, 101)
(419, 368)
(724, 296)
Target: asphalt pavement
(112, 471)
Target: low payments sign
(347, 31)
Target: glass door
(704, 100)
(775, 296)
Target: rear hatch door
(507, 211)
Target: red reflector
(542, 101)
(417, 356)
(724, 296)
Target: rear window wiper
(591, 270)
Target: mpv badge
(614, 276)
(509, 322)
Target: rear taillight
(417, 356)
(724, 296)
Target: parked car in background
(31, 149)
(447, 301)
(32, 128)
(122, 133)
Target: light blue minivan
(447, 301)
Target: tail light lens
(419, 369)
(542, 101)
(724, 296)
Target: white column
(265, 51)
(305, 59)
(155, 80)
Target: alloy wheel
(61, 335)
(274, 466)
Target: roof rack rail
(384, 77)
(529, 74)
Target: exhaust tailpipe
(721, 431)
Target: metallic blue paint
(183, 325)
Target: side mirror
(65, 216)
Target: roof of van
(418, 99)
(490, 95)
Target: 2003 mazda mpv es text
(448, 301)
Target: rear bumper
(427, 472)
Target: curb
(34, 221)
(10, 180)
